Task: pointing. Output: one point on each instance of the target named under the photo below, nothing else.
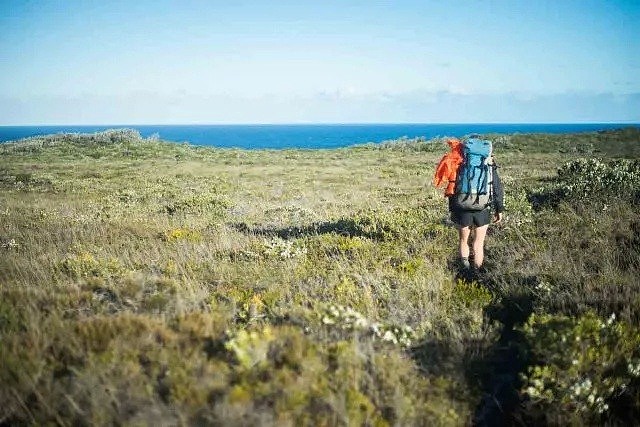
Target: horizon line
(622, 122)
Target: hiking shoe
(465, 263)
(479, 273)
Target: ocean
(312, 136)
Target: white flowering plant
(9, 244)
(346, 318)
(581, 365)
(276, 247)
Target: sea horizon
(317, 123)
(307, 135)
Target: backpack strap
(484, 178)
(469, 173)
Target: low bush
(591, 181)
(584, 369)
(131, 368)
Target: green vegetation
(146, 282)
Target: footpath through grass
(149, 282)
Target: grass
(149, 282)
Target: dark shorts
(469, 218)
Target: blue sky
(151, 62)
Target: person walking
(475, 194)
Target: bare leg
(478, 245)
(464, 232)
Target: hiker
(474, 192)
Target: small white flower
(406, 342)
(10, 244)
(375, 328)
(328, 321)
(634, 369)
(360, 323)
(389, 337)
(531, 391)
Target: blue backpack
(475, 178)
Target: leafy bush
(520, 211)
(584, 180)
(582, 368)
(86, 265)
(586, 176)
(399, 223)
(210, 203)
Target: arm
(498, 195)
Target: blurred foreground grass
(147, 282)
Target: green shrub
(85, 265)
(592, 180)
(250, 348)
(181, 234)
(519, 209)
(582, 368)
(210, 203)
(470, 295)
(398, 223)
(585, 176)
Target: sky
(209, 62)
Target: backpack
(475, 176)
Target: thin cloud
(415, 106)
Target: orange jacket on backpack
(447, 169)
